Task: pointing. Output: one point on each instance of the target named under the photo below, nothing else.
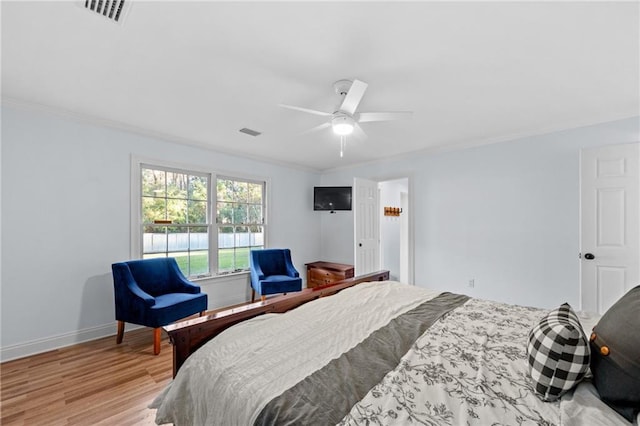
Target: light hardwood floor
(93, 383)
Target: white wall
(65, 219)
(506, 215)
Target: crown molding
(462, 145)
(120, 126)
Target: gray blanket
(327, 395)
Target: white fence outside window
(157, 242)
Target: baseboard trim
(47, 344)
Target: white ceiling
(197, 72)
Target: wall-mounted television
(331, 198)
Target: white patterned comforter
(470, 368)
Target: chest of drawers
(323, 273)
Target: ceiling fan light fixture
(342, 125)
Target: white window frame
(136, 225)
(217, 225)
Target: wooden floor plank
(93, 383)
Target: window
(177, 219)
(239, 221)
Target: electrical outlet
(472, 283)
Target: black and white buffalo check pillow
(558, 353)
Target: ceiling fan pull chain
(342, 140)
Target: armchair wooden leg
(253, 295)
(202, 313)
(156, 340)
(263, 298)
(120, 334)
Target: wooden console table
(323, 273)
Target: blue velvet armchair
(273, 272)
(154, 293)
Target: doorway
(384, 241)
(394, 250)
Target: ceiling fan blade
(315, 129)
(310, 111)
(358, 133)
(363, 117)
(353, 97)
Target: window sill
(221, 277)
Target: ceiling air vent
(114, 10)
(250, 132)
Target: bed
(375, 353)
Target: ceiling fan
(345, 120)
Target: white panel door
(610, 216)
(366, 226)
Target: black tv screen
(331, 198)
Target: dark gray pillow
(615, 355)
